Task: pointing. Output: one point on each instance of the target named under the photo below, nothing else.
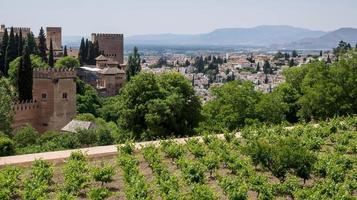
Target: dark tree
(17, 45)
(266, 67)
(5, 40)
(25, 76)
(11, 51)
(328, 59)
(320, 53)
(42, 45)
(65, 51)
(199, 64)
(90, 53)
(51, 61)
(294, 54)
(82, 53)
(134, 66)
(187, 63)
(20, 44)
(96, 50)
(31, 44)
(291, 63)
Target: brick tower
(55, 91)
(110, 45)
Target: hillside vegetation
(308, 161)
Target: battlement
(52, 73)
(25, 106)
(23, 29)
(53, 28)
(106, 35)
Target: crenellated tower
(54, 100)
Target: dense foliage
(152, 106)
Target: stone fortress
(110, 45)
(24, 31)
(54, 90)
(54, 101)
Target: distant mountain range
(278, 37)
(326, 41)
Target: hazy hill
(256, 36)
(326, 41)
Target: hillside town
(142, 102)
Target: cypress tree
(24, 80)
(42, 45)
(90, 54)
(133, 67)
(81, 52)
(291, 63)
(65, 51)
(17, 45)
(31, 43)
(266, 67)
(5, 40)
(86, 47)
(96, 49)
(11, 51)
(20, 44)
(51, 62)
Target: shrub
(76, 173)
(42, 170)
(9, 182)
(26, 136)
(99, 194)
(103, 174)
(6, 146)
(104, 137)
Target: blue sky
(132, 17)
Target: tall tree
(65, 54)
(20, 44)
(96, 49)
(291, 63)
(266, 67)
(31, 43)
(51, 61)
(42, 45)
(90, 53)
(82, 53)
(11, 51)
(25, 76)
(294, 54)
(5, 40)
(17, 45)
(134, 66)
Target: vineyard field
(309, 161)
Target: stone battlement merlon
(25, 106)
(52, 73)
(17, 29)
(107, 35)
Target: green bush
(104, 137)
(103, 174)
(9, 182)
(6, 146)
(26, 136)
(99, 194)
